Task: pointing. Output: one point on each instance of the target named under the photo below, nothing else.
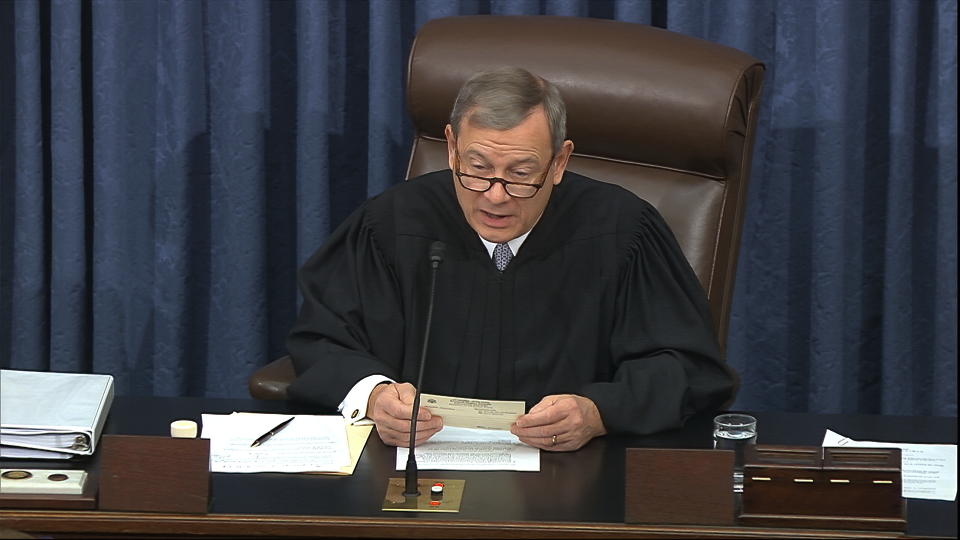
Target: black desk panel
(574, 494)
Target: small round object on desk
(436, 488)
(17, 475)
(434, 503)
(183, 429)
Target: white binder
(51, 415)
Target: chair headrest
(633, 92)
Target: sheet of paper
(31, 453)
(928, 471)
(356, 439)
(310, 443)
(357, 435)
(473, 413)
(468, 449)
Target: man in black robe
(564, 292)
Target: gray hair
(501, 99)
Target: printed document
(310, 443)
(473, 413)
(928, 471)
(467, 449)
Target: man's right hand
(390, 406)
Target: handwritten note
(308, 444)
(928, 471)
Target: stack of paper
(310, 443)
(475, 437)
(46, 415)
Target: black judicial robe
(599, 301)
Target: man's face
(523, 152)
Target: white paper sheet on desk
(310, 443)
(466, 449)
(928, 471)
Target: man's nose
(497, 193)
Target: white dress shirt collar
(514, 244)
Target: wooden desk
(576, 494)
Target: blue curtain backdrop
(167, 165)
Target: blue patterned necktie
(502, 256)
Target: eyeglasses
(520, 190)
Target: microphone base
(449, 501)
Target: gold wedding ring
(554, 441)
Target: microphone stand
(412, 498)
(410, 490)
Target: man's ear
(563, 157)
(451, 145)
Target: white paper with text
(310, 443)
(928, 471)
(466, 449)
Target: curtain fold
(942, 137)
(24, 282)
(167, 166)
(181, 193)
(69, 195)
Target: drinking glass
(734, 431)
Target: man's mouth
(494, 219)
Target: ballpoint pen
(266, 436)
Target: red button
(434, 503)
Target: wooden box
(679, 486)
(154, 474)
(835, 488)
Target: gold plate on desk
(396, 501)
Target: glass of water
(734, 432)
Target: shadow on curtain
(167, 165)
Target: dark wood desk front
(576, 494)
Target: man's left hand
(560, 423)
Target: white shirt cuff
(354, 406)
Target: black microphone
(436, 257)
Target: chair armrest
(271, 381)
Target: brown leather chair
(670, 117)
